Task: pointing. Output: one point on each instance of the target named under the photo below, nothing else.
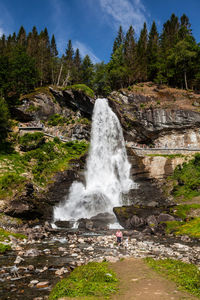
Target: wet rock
(85, 224)
(64, 224)
(102, 221)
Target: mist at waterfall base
(107, 175)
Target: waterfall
(107, 175)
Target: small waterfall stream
(107, 172)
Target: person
(119, 236)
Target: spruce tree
(21, 37)
(142, 54)
(130, 55)
(153, 52)
(119, 39)
(87, 69)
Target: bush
(31, 141)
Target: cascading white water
(107, 173)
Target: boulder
(64, 224)
(165, 218)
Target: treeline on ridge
(31, 60)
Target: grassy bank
(186, 179)
(186, 276)
(38, 162)
(90, 281)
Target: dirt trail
(139, 282)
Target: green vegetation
(4, 248)
(189, 225)
(190, 228)
(4, 117)
(81, 87)
(57, 119)
(187, 179)
(31, 141)
(91, 280)
(182, 210)
(167, 155)
(186, 276)
(40, 163)
(4, 235)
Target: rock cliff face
(145, 123)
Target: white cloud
(84, 50)
(125, 13)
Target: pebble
(43, 284)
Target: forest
(31, 60)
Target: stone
(64, 224)
(165, 218)
(151, 221)
(34, 281)
(18, 260)
(30, 268)
(42, 284)
(32, 252)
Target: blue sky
(92, 25)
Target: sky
(92, 25)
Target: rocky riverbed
(34, 265)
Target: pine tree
(77, 67)
(130, 55)
(153, 52)
(87, 69)
(21, 37)
(142, 54)
(119, 39)
(44, 55)
(54, 60)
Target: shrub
(31, 141)
(56, 120)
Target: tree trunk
(61, 67)
(185, 78)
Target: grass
(39, 165)
(186, 276)
(81, 87)
(4, 248)
(167, 155)
(4, 235)
(183, 210)
(91, 280)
